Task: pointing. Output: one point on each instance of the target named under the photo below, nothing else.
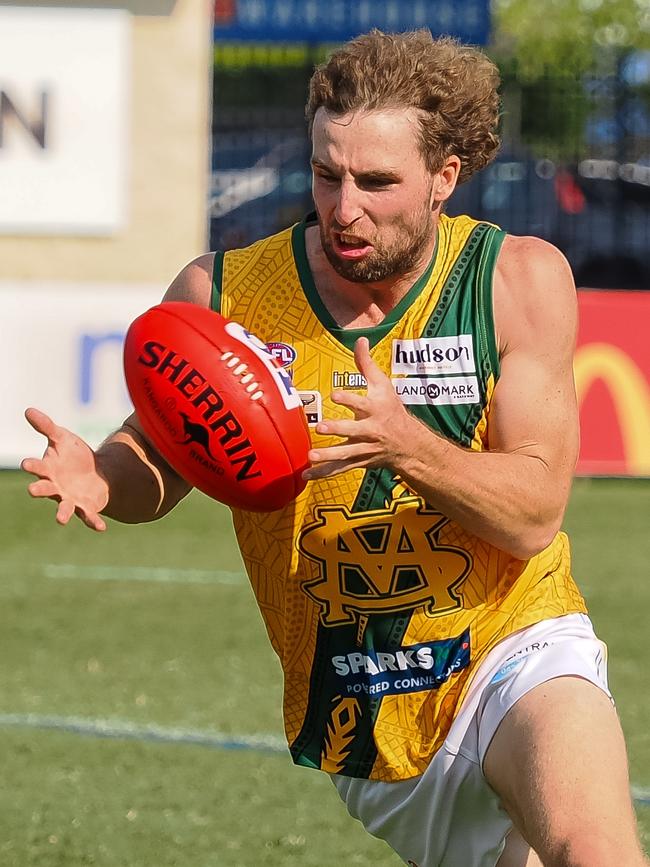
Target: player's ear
(444, 181)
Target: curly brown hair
(453, 87)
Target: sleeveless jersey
(379, 607)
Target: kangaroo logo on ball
(195, 433)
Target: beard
(386, 260)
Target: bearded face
(404, 247)
(375, 197)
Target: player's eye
(326, 177)
(376, 183)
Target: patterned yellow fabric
(379, 607)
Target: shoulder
(534, 293)
(534, 257)
(193, 283)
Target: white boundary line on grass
(159, 574)
(115, 728)
(125, 729)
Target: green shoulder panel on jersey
(466, 297)
(465, 307)
(217, 280)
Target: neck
(359, 305)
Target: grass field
(140, 701)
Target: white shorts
(449, 816)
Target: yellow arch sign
(630, 393)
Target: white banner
(61, 351)
(64, 107)
(419, 390)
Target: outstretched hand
(376, 435)
(66, 473)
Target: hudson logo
(282, 352)
(193, 386)
(434, 355)
(386, 560)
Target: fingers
(342, 428)
(43, 488)
(92, 520)
(42, 423)
(365, 363)
(358, 403)
(326, 470)
(67, 509)
(33, 466)
(333, 460)
(64, 512)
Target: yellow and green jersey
(379, 607)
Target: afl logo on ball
(282, 352)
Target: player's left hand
(376, 435)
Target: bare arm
(515, 494)
(125, 478)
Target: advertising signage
(612, 371)
(64, 121)
(322, 21)
(84, 386)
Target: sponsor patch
(312, 404)
(348, 379)
(530, 648)
(414, 668)
(507, 669)
(433, 355)
(438, 391)
(517, 659)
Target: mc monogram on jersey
(386, 560)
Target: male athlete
(437, 656)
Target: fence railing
(574, 167)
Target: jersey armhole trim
(217, 281)
(487, 266)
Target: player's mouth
(349, 246)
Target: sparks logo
(411, 668)
(386, 560)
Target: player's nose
(348, 204)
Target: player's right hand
(67, 473)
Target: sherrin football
(217, 405)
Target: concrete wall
(168, 152)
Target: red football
(217, 405)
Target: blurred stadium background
(133, 137)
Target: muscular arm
(513, 495)
(125, 478)
(140, 485)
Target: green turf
(195, 656)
